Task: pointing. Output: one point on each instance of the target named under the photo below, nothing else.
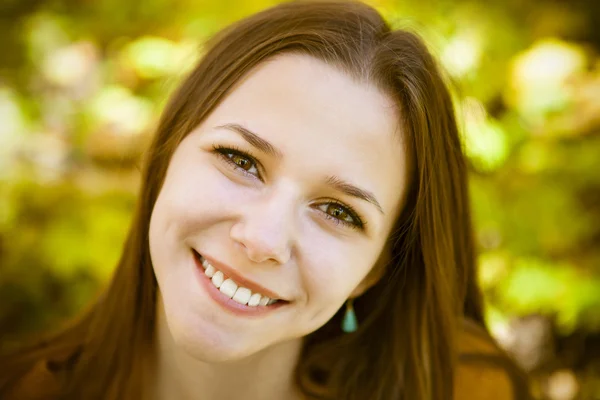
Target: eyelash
(224, 153)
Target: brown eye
(339, 213)
(336, 211)
(241, 162)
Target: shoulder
(36, 382)
(34, 377)
(484, 370)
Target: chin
(204, 340)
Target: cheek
(177, 212)
(335, 271)
(330, 279)
(194, 197)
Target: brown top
(39, 383)
(484, 373)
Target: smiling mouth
(234, 291)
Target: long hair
(405, 347)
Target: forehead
(322, 121)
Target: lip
(224, 301)
(229, 272)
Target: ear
(376, 273)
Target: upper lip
(229, 272)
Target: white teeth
(228, 288)
(254, 299)
(263, 301)
(210, 271)
(242, 295)
(218, 278)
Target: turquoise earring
(349, 323)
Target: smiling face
(290, 189)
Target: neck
(268, 374)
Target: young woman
(302, 232)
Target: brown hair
(405, 346)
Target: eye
(239, 160)
(342, 214)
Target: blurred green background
(83, 82)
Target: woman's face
(289, 189)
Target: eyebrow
(353, 191)
(255, 140)
(333, 181)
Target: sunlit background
(83, 82)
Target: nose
(265, 229)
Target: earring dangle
(349, 323)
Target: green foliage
(60, 245)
